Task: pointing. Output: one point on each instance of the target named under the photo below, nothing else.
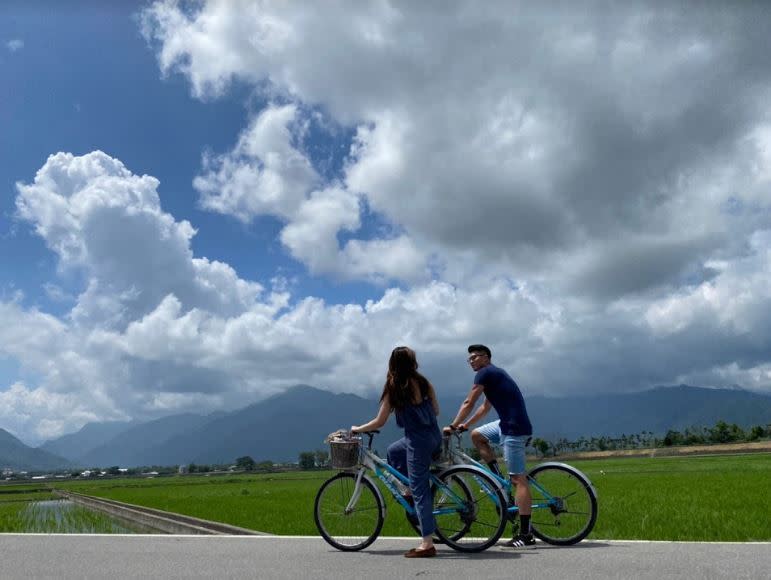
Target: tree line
(720, 432)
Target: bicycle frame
(458, 457)
(369, 461)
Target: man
(512, 431)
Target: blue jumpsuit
(413, 453)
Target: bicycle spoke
(471, 518)
(344, 528)
(571, 498)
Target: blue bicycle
(349, 509)
(564, 500)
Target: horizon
(375, 399)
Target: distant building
(184, 469)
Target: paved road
(118, 557)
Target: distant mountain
(276, 429)
(17, 456)
(92, 435)
(280, 427)
(655, 410)
(135, 445)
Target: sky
(205, 203)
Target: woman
(413, 399)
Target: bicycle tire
(348, 530)
(470, 510)
(412, 519)
(572, 510)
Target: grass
(709, 498)
(10, 516)
(280, 503)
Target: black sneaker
(521, 542)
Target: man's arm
(467, 406)
(481, 411)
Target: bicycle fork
(356, 493)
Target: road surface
(64, 556)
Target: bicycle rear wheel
(569, 504)
(415, 523)
(469, 509)
(348, 527)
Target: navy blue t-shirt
(505, 397)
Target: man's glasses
(474, 357)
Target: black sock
(524, 525)
(493, 465)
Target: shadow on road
(580, 546)
(495, 553)
(452, 554)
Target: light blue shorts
(513, 446)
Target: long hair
(402, 374)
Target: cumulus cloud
(615, 167)
(267, 173)
(25, 411)
(264, 174)
(100, 218)
(14, 45)
(588, 193)
(527, 133)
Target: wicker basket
(344, 454)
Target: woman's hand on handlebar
(459, 429)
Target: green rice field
(708, 498)
(36, 511)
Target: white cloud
(264, 174)
(521, 134)
(180, 359)
(590, 192)
(312, 234)
(24, 411)
(99, 217)
(312, 237)
(267, 174)
(14, 45)
(615, 167)
(736, 300)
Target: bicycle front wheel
(564, 504)
(345, 523)
(469, 508)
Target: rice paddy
(709, 498)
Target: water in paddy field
(61, 516)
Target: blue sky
(93, 83)
(205, 203)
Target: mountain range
(280, 427)
(17, 456)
